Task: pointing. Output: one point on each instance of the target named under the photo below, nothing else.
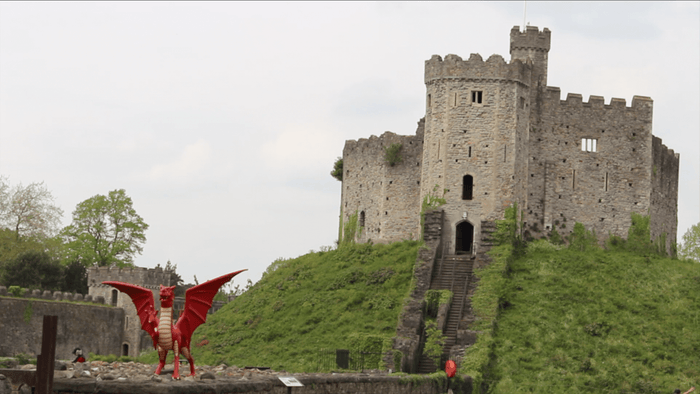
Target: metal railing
(344, 359)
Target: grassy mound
(321, 300)
(597, 322)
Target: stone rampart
(385, 197)
(494, 68)
(144, 277)
(589, 163)
(313, 384)
(93, 328)
(663, 210)
(410, 327)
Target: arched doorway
(464, 238)
(125, 349)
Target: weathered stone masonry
(494, 134)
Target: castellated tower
(134, 338)
(495, 134)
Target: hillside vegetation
(553, 318)
(323, 300)
(583, 319)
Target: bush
(337, 172)
(392, 154)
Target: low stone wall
(408, 332)
(313, 384)
(92, 328)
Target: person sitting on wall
(78, 355)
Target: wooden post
(46, 360)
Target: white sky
(222, 120)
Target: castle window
(589, 145)
(429, 101)
(477, 96)
(470, 151)
(467, 187)
(115, 293)
(606, 182)
(362, 219)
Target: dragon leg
(176, 362)
(161, 356)
(186, 352)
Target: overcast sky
(222, 120)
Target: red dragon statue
(166, 336)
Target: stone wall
(93, 328)
(663, 210)
(387, 197)
(410, 327)
(599, 187)
(313, 384)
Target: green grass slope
(317, 301)
(597, 322)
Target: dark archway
(125, 349)
(115, 293)
(464, 238)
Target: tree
(690, 248)
(106, 231)
(337, 172)
(28, 211)
(34, 270)
(75, 278)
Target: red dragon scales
(166, 336)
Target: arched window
(467, 187)
(362, 219)
(115, 293)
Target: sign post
(290, 382)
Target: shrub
(392, 154)
(337, 172)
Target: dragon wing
(198, 300)
(143, 300)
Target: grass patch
(600, 321)
(321, 300)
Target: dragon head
(167, 295)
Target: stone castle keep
(495, 134)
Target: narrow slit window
(362, 219)
(454, 100)
(429, 101)
(470, 151)
(477, 96)
(606, 181)
(467, 187)
(573, 179)
(589, 145)
(505, 152)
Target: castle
(495, 134)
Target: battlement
(494, 68)
(532, 38)
(639, 103)
(145, 277)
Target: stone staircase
(450, 273)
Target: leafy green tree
(690, 248)
(34, 270)
(106, 231)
